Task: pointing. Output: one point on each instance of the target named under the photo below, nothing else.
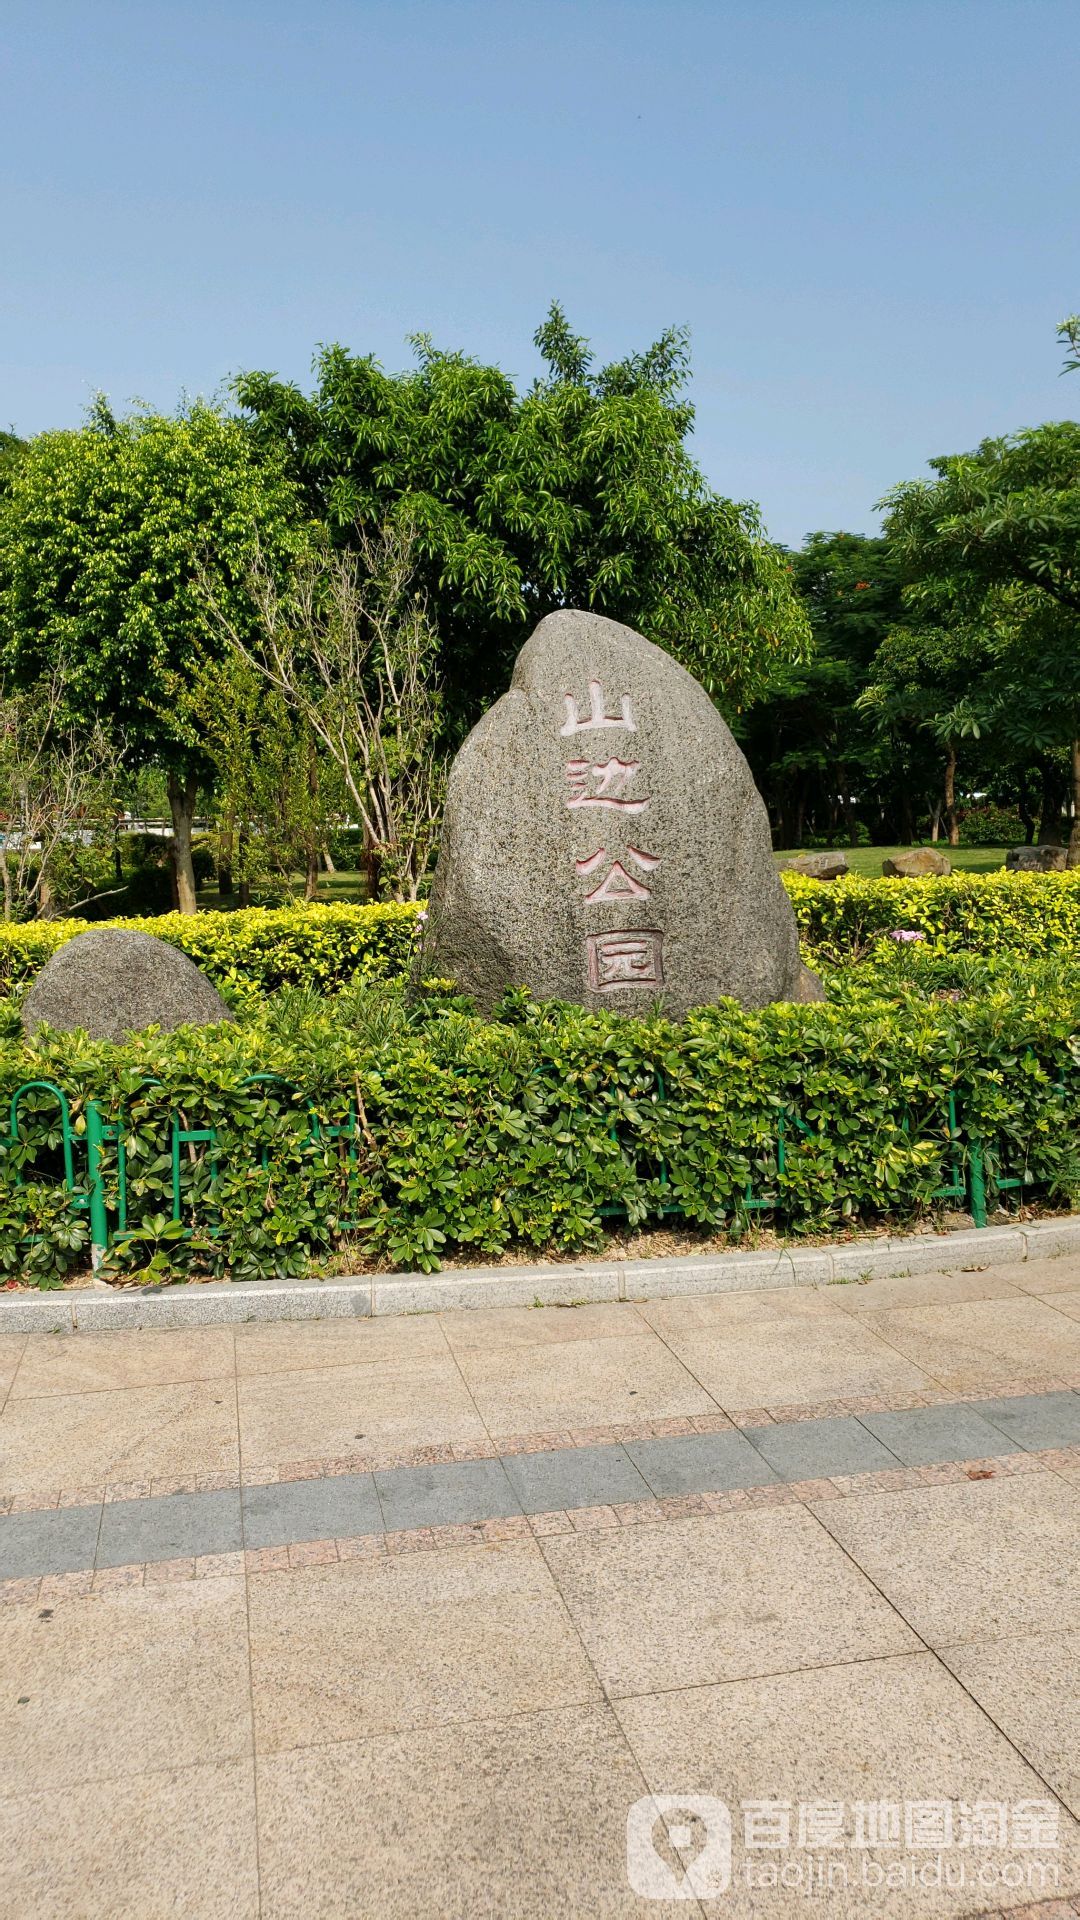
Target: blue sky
(866, 214)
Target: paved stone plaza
(401, 1617)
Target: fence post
(99, 1219)
(977, 1180)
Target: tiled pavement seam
(503, 1446)
(652, 1511)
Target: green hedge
(982, 913)
(250, 953)
(253, 953)
(542, 1125)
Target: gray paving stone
(175, 1527)
(816, 1449)
(61, 1540)
(574, 1477)
(1035, 1420)
(926, 1435)
(444, 1495)
(700, 1463)
(337, 1507)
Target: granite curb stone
(347, 1297)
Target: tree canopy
(997, 535)
(106, 534)
(581, 491)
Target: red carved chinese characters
(597, 717)
(604, 786)
(617, 884)
(633, 958)
(629, 956)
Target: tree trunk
(225, 855)
(1050, 810)
(951, 821)
(1024, 809)
(311, 839)
(328, 861)
(372, 859)
(1074, 783)
(182, 798)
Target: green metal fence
(96, 1172)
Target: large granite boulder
(1042, 859)
(817, 866)
(604, 842)
(922, 863)
(114, 982)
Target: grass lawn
(867, 860)
(347, 887)
(863, 860)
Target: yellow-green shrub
(249, 953)
(1028, 913)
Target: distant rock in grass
(113, 982)
(1043, 859)
(922, 863)
(817, 866)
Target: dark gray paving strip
(700, 1463)
(340, 1507)
(60, 1540)
(926, 1435)
(816, 1449)
(445, 1495)
(1036, 1420)
(176, 1526)
(185, 1526)
(575, 1477)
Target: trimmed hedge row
(1025, 913)
(538, 1126)
(250, 953)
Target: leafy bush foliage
(980, 913)
(538, 1126)
(988, 825)
(252, 953)
(249, 953)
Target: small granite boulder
(817, 866)
(604, 841)
(1042, 859)
(113, 982)
(922, 863)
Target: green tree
(58, 788)
(999, 532)
(924, 683)
(579, 492)
(348, 650)
(105, 537)
(817, 759)
(276, 794)
(10, 449)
